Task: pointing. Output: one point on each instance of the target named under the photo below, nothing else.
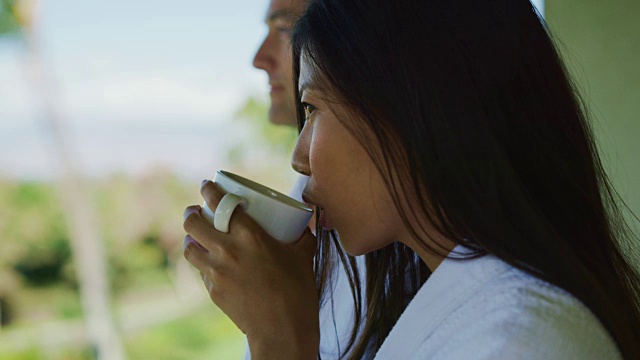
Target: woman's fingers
(255, 279)
(201, 230)
(204, 262)
(197, 255)
(241, 225)
(211, 193)
(188, 240)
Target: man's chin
(280, 116)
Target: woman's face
(342, 177)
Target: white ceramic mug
(279, 215)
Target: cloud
(98, 88)
(152, 96)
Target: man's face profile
(274, 57)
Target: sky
(138, 84)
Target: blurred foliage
(43, 263)
(275, 138)
(260, 136)
(36, 353)
(35, 239)
(141, 223)
(205, 335)
(29, 354)
(139, 219)
(263, 153)
(9, 23)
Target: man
(275, 58)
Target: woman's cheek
(321, 153)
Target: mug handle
(221, 218)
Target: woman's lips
(307, 200)
(323, 216)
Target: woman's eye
(308, 109)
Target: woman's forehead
(308, 79)
(305, 78)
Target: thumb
(307, 245)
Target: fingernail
(203, 181)
(188, 239)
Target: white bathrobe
(486, 309)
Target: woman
(444, 140)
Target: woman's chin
(353, 248)
(324, 222)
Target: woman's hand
(266, 287)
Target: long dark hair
(476, 116)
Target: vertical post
(88, 252)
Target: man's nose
(263, 59)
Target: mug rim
(265, 191)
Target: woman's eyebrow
(307, 85)
(302, 87)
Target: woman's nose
(300, 157)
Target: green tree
(279, 139)
(9, 23)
